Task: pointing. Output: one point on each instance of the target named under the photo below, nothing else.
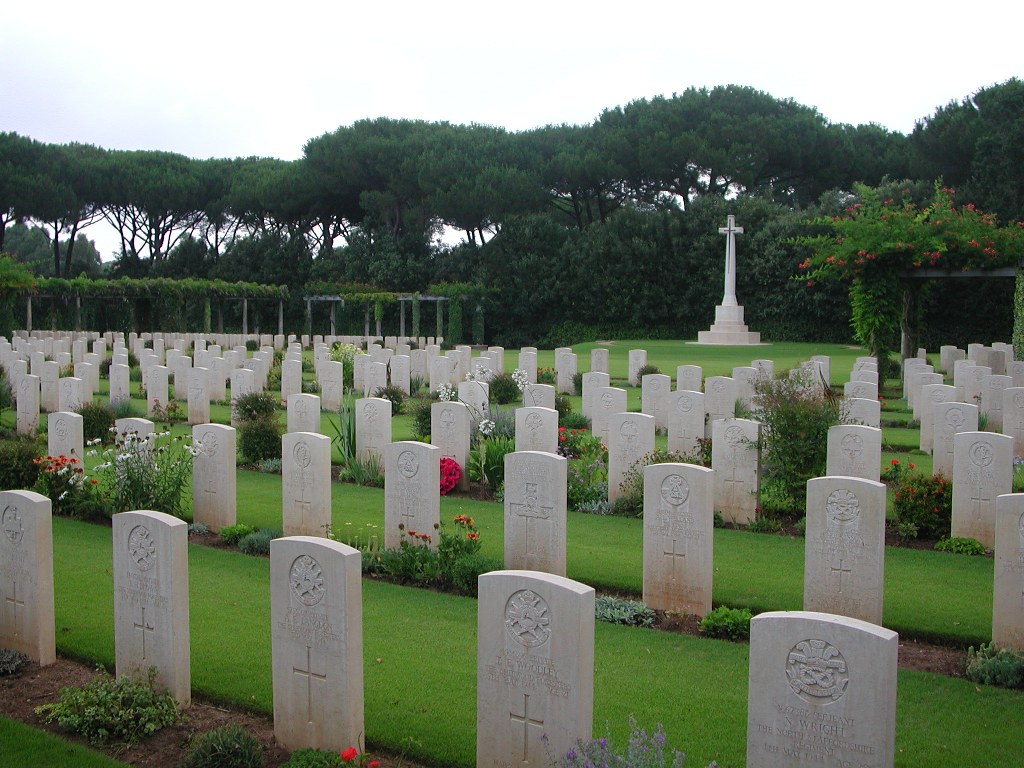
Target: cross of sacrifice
(730, 230)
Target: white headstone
(653, 388)
(1008, 592)
(854, 451)
(606, 401)
(736, 461)
(316, 641)
(690, 378)
(26, 575)
(305, 484)
(678, 537)
(539, 395)
(213, 475)
(65, 435)
(450, 425)
(684, 413)
(948, 420)
(537, 429)
(844, 561)
(630, 438)
(412, 493)
(821, 690)
(151, 627)
(535, 511)
(930, 395)
(637, 360)
(535, 667)
(982, 470)
(599, 360)
(304, 413)
(373, 428)
(719, 400)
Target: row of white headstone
(819, 684)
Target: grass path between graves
(929, 595)
(420, 667)
(24, 745)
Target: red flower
(895, 462)
(349, 754)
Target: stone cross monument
(729, 328)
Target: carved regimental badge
(526, 618)
(307, 580)
(817, 671)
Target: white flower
(62, 496)
(486, 427)
(521, 378)
(446, 392)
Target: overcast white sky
(226, 79)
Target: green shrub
(627, 506)
(467, 569)
(577, 383)
(595, 507)
(395, 395)
(230, 746)
(563, 405)
(258, 542)
(18, 468)
(487, 461)
(795, 418)
(420, 412)
(1003, 667)
(260, 439)
(925, 501)
(252, 345)
(127, 708)
(198, 529)
(6, 391)
(727, 623)
(646, 370)
(270, 466)
(254, 406)
(959, 546)
(71, 494)
(12, 661)
(574, 420)
(547, 376)
(764, 524)
(232, 534)
(313, 758)
(503, 389)
(368, 471)
(615, 610)
(97, 419)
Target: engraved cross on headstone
(310, 676)
(733, 483)
(529, 509)
(674, 555)
(980, 497)
(527, 721)
(841, 570)
(144, 627)
(15, 603)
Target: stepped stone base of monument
(729, 329)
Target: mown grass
(419, 657)
(25, 746)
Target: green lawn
(25, 746)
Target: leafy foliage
(1003, 667)
(616, 610)
(232, 534)
(229, 746)
(795, 417)
(97, 419)
(258, 542)
(643, 751)
(960, 546)
(12, 661)
(260, 439)
(926, 502)
(727, 623)
(18, 465)
(107, 709)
